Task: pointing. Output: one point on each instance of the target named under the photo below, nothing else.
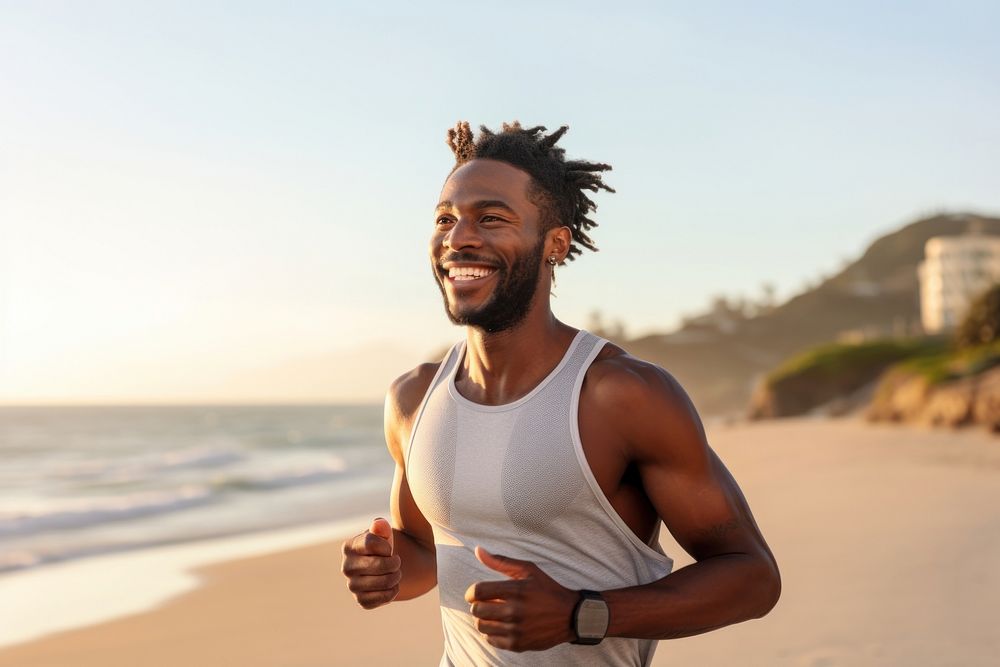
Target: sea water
(80, 481)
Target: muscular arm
(735, 577)
(413, 539)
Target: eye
(487, 218)
(443, 220)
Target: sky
(232, 201)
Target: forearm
(418, 564)
(706, 595)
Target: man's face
(486, 249)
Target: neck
(501, 367)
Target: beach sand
(888, 540)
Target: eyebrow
(481, 204)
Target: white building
(955, 270)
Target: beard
(510, 301)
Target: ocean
(81, 481)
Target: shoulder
(644, 402)
(402, 401)
(618, 379)
(403, 398)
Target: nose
(463, 234)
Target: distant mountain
(719, 355)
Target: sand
(888, 540)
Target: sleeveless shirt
(514, 479)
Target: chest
(469, 469)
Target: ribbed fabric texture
(514, 479)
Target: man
(535, 463)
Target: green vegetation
(975, 360)
(930, 358)
(952, 364)
(834, 371)
(933, 368)
(981, 324)
(832, 360)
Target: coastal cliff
(907, 396)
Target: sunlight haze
(232, 202)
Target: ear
(557, 242)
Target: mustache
(466, 258)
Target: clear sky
(232, 201)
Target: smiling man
(536, 462)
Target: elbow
(770, 586)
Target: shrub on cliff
(981, 324)
(829, 372)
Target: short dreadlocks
(557, 184)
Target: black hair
(558, 184)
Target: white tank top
(514, 479)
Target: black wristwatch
(590, 618)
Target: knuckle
(351, 545)
(371, 600)
(382, 565)
(374, 544)
(360, 564)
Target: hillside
(718, 360)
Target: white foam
(61, 514)
(62, 596)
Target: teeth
(469, 272)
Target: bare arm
(413, 538)
(399, 562)
(735, 577)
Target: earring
(552, 263)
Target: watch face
(592, 619)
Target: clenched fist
(530, 611)
(371, 566)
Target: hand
(372, 569)
(528, 612)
